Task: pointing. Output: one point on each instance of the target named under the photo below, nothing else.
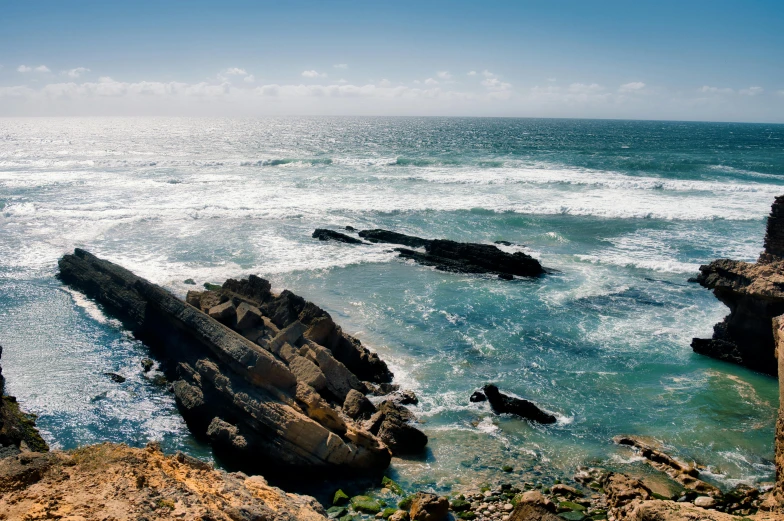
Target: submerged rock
(504, 404)
(459, 257)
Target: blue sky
(692, 60)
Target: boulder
(504, 404)
(477, 396)
(247, 316)
(428, 507)
(392, 424)
(323, 234)
(357, 406)
(536, 498)
(223, 312)
(526, 511)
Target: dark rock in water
(460, 257)
(503, 404)
(246, 397)
(392, 424)
(190, 282)
(394, 238)
(115, 377)
(404, 397)
(503, 243)
(323, 234)
(477, 396)
(350, 229)
(147, 364)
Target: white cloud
(488, 74)
(236, 71)
(471, 73)
(705, 89)
(250, 78)
(313, 74)
(751, 91)
(75, 73)
(341, 80)
(635, 86)
(496, 84)
(585, 88)
(24, 68)
(385, 83)
(341, 66)
(444, 75)
(42, 68)
(431, 81)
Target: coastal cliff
(17, 428)
(754, 292)
(268, 379)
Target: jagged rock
(622, 490)
(428, 507)
(111, 481)
(755, 294)
(247, 316)
(392, 424)
(114, 377)
(357, 406)
(23, 470)
(307, 372)
(147, 364)
(658, 510)
(404, 397)
(776, 499)
(323, 234)
(503, 404)
(460, 257)
(286, 425)
(226, 434)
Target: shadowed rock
(503, 404)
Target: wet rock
(330, 235)
(504, 404)
(404, 397)
(114, 377)
(147, 364)
(565, 490)
(190, 282)
(357, 406)
(392, 424)
(477, 396)
(428, 507)
(459, 257)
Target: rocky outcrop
(323, 234)
(266, 395)
(17, 428)
(458, 257)
(776, 499)
(428, 507)
(111, 481)
(755, 294)
(505, 404)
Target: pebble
(508, 507)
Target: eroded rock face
(270, 403)
(110, 481)
(776, 500)
(428, 507)
(755, 294)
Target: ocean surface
(625, 211)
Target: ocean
(623, 212)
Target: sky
(677, 60)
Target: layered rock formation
(110, 481)
(755, 294)
(262, 376)
(17, 428)
(504, 404)
(445, 255)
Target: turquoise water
(625, 211)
